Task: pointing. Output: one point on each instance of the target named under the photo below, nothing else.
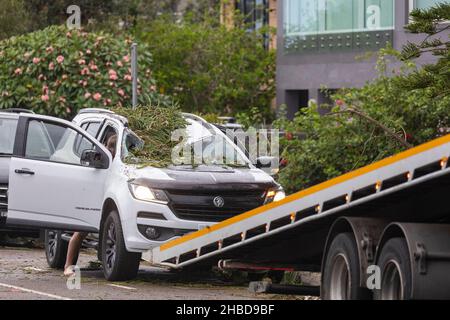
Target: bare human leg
(73, 251)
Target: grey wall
(311, 71)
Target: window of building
(255, 12)
(309, 17)
(424, 4)
(296, 100)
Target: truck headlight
(275, 195)
(279, 195)
(145, 193)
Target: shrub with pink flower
(85, 71)
(54, 67)
(112, 75)
(97, 96)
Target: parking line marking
(34, 291)
(120, 286)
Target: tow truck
(380, 232)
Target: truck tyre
(55, 249)
(118, 263)
(341, 273)
(395, 266)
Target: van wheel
(55, 249)
(395, 268)
(340, 279)
(118, 263)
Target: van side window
(7, 136)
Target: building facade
(319, 42)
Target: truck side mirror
(94, 159)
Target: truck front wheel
(118, 263)
(340, 278)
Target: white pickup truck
(60, 176)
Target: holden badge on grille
(218, 202)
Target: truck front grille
(3, 197)
(199, 205)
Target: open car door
(57, 176)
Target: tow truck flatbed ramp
(412, 185)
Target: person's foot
(69, 271)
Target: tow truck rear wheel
(340, 278)
(55, 249)
(118, 263)
(395, 266)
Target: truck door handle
(24, 171)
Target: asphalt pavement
(24, 274)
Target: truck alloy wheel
(110, 247)
(55, 249)
(118, 263)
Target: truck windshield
(213, 146)
(208, 143)
(7, 136)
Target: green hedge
(57, 71)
